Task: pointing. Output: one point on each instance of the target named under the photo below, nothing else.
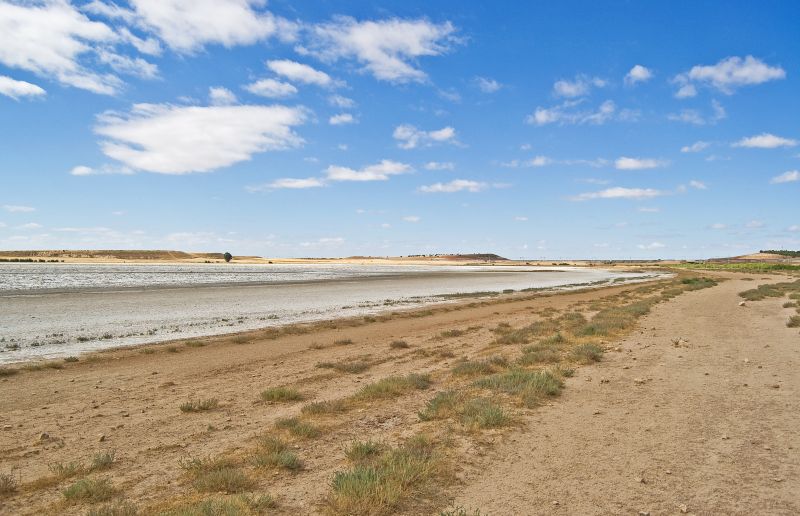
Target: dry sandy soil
(705, 425)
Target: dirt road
(709, 426)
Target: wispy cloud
(580, 86)
(695, 117)
(619, 193)
(287, 183)
(696, 146)
(487, 85)
(456, 185)
(13, 208)
(409, 137)
(18, 89)
(439, 165)
(388, 49)
(377, 172)
(626, 163)
(787, 177)
(412, 218)
(271, 88)
(299, 72)
(651, 246)
(569, 113)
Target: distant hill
(486, 257)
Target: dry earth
(709, 425)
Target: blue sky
(530, 129)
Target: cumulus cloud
(568, 113)
(385, 48)
(16, 89)
(619, 193)
(342, 119)
(578, 87)
(487, 85)
(439, 165)
(409, 137)
(170, 139)
(271, 88)
(787, 177)
(287, 183)
(698, 185)
(299, 72)
(456, 185)
(625, 163)
(187, 26)
(53, 40)
(377, 172)
(695, 147)
(765, 141)
(15, 208)
(220, 96)
(638, 74)
(727, 75)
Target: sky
(571, 129)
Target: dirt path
(708, 427)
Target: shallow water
(57, 310)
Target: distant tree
(228, 257)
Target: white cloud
(696, 146)
(52, 39)
(12, 208)
(457, 185)
(30, 225)
(754, 224)
(765, 141)
(698, 185)
(411, 218)
(625, 163)
(299, 72)
(718, 226)
(729, 74)
(341, 102)
(787, 177)
(619, 193)
(651, 246)
(487, 85)
(128, 65)
(439, 165)
(385, 48)
(324, 242)
(692, 116)
(188, 25)
(520, 218)
(566, 113)
(83, 170)
(637, 74)
(578, 87)
(686, 91)
(378, 172)
(271, 88)
(409, 137)
(287, 183)
(644, 209)
(16, 89)
(342, 119)
(170, 139)
(793, 228)
(220, 96)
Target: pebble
(644, 513)
(641, 480)
(683, 508)
(556, 502)
(742, 303)
(725, 437)
(7, 427)
(44, 436)
(102, 438)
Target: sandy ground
(711, 424)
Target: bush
(90, 490)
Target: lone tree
(228, 257)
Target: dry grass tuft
(212, 475)
(8, 484)
(530, 386)
(325, 407)
(273, 453)
(399, 344)
(118, 508)
(347, 366)
(91, 490)
(298, 428)
(200, 405)
(281, 394)
(393, 386)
